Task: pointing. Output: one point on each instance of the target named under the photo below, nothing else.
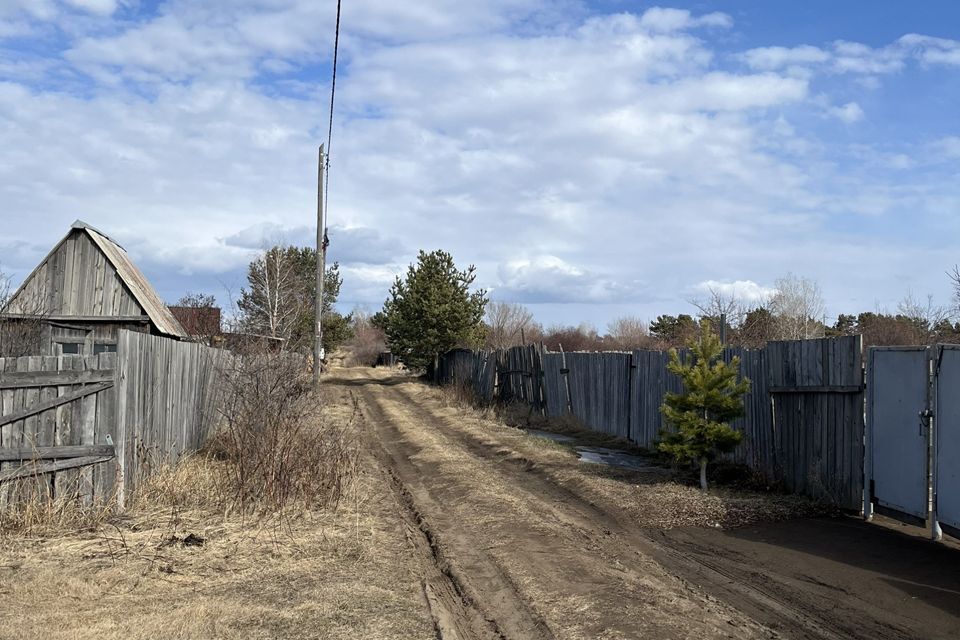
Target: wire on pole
(333, 92)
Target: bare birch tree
(797, 308)
(277, 301)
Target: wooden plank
(6, 435)
(104, 475)
(34, 379)
(60, 317)
(50, 467)
(55, 453)
(48, 396)
(54, 403)
(815, 389)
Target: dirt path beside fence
(516, 539)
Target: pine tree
(432, 310)
(713, 397)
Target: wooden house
(78, 298)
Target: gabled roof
(130, 275)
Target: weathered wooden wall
(76, 280)
(156, 399)
(168, 395)
(803, 423)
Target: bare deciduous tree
(508, 324)
(955, 281)
(21, 322)
(277, 301)
(718, 303)
(627, 333)
(368, 340)
(924, 318)
(798, 308)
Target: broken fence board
(30, 470)
(55, 453)
(56, 402)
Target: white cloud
(773, 58)
(100, 7)
(932, 50)
(570, 158)
(546, 279)
(746, 291)
(947, 148)
(848, 113)
(666, 20)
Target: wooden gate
(58, 425)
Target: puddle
(614, 458)
(602, 455)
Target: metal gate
(947, 438)
(898, 383)
(913, 435)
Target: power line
(333, 91)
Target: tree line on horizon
(434, 307)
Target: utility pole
(321, 265)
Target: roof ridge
(80, 224)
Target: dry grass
(176, 565)
(28, 507)
(305, 544)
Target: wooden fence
(803, 422)
(168, 396)
(92, 426)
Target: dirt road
(512, 544)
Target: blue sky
(592, 159)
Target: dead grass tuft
(29, 507)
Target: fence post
(566, 378)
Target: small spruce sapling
(713, 397)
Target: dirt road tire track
(760, 596)
(470, 598)
(708, 574)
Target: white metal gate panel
(898, 383)
(948, 436)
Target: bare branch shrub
(580, 338)
(719, 302)
(927, 320)
(368, 341)
(279, 451)
(509, 324)
(627, 333)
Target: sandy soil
(529, 543)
